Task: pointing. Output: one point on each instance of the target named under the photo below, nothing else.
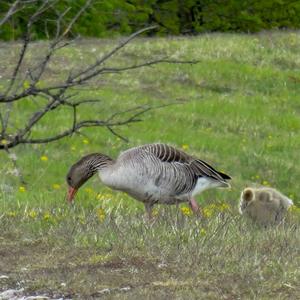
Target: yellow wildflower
(82, 220)
(265, 182)
(56, 186)
(88, 190)
(44, 158)
(32, 214)
(104, 196)
(185, 147)
(22, 189)
(99, 196)
(86, 141)
(100, 214)
(207, 212)
(46, 216)
(202, 232)
(223, 207)
(3, 142)
(11, 214)
(26, 84)
(186, 211)
(154, 212)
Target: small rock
(3, 277)
(37, 298)
(24, 269)
(104, 291)
(10, 294)
(125, 288)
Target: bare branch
(10, 12)
(112, 52)
(52, 97)
(76, 126)
(33, 91)
(76, 17)
(137, 66)
(117, 134)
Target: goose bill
(71, 193)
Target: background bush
(115, 17)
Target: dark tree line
(113, 17)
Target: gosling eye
(69, 180)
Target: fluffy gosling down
(265, 206)
(152, 174)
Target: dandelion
(265, 182)
(32, 214)
(89, 190)
(46, 216)
(185, 147)
(186, 211)
(44, 158)
(104, 196)
(202, 232)
(207, 212)
(26, 84)
(99, 197)
(3, 142)
(22, 189)
(82, 220)
(11, 214)
(101, 214)
(223, 207)
(154, 212)
(86, 141)
(56, 186)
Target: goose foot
(148, 208)
(195, 207)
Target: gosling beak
(71, 194)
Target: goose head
(84, 169)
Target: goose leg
(195, 207)
(148, 208)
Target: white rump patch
(204, 183)
(290, 202)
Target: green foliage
(114, 17)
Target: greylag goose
(152, 174)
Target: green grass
(240, 112)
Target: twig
(62, 93)
(10, 12)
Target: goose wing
(171, 155)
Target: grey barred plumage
(152, 173)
